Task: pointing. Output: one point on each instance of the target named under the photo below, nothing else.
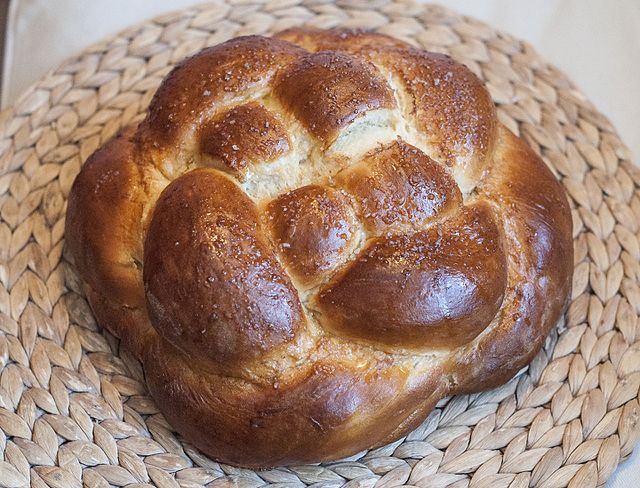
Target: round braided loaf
(313, 238)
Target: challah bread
(313, 238)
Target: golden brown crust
(306, 297)
(315, 40)
(215, 75)
(214, 287)
(437, 288)
(399, 185)
(107, 246)
(538, 230)
(315, 229)
(327, 409)
(451, 107)
(245, 135)
(328, 90)
(448, 104)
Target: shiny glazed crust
(313, 238)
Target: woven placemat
(73, 406)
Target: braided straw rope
(73, 406)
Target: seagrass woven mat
(73, 406)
